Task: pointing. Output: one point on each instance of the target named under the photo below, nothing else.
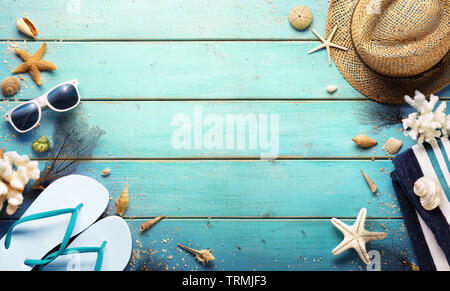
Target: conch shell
(25, 26)
(392, 146)
(149, 223)
(430, 192)
(122, 201)
(204, 256)
(364, 141)
(300, 17)
(10, 86)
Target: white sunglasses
(61, 98)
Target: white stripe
(446, 144)
(437, 254)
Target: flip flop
(104, 246)
(64, 209)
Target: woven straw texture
(393, 46)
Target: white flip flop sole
(114, 230)
(34, 239)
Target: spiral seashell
(430, 192)
(392, 146)
(300, 17)
(10, 86)
(122, 201)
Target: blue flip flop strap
(42, 215)
(99, 250)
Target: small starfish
(327, 44)
(356, 236)
(33, 64)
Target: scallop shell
(430, 192)
(300, 17)
(10, 86)
(25, 26)
(331, 89)
(364, 141)
(392, 146)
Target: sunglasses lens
(25, 116)
(63, 97)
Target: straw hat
(395, 46)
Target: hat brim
(368, 82)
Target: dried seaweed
(381, 115)
(73, 140)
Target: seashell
(331, 89)
(392, 146)
(150, 222)
(41, 145)
(106, 172)
(25, 26)
(430, 192)
(122, 201)
(10, 86)
(300, 17)
(2, 151)
(204, 256)
(364, 141)
(372, 185)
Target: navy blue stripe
(421, 250)
(408, 170)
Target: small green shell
(41, 145)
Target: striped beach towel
(429, 230)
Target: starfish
(327, 44)
(356, 236)
(33, 64)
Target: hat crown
(401, 38)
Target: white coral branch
(426, 125)
(15, 173)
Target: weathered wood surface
(142, 63)
(187, 70)
(255, 244)
(156, 20)
(145, 129)
(260, 189)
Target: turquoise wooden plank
(170, 19)
(259, 245)
(150, 129)
(244, 188)
(185, 70)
